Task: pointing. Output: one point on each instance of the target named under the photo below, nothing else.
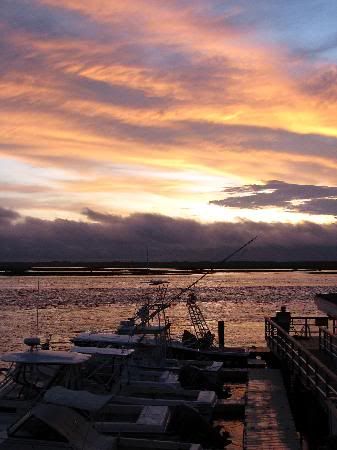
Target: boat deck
(268, 420)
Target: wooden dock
(268, 421)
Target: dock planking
(268, 420)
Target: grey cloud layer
(113, 237)
(40, 20)
(7, 216)
(308, 198)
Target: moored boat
(51, 426)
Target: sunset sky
(181, 114)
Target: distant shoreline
(155, 272)
(159, 268)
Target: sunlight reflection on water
(68, 305)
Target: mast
(37, 307)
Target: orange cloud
(155, 85)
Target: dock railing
(313, 374)
(328, 343)
(307, 326)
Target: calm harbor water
(68, 305)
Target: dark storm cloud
(318, 206)
(307, 198)
(113, 237)
(7, 216)
(95, 216)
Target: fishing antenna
(37, 307)
(183, 290)
(169, 302)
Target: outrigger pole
(37, 306)
(183, 290)
(197, 318)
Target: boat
(140, 407)
(136, 416)
(51, 426)
(150, 328)
(111, 367)
(32, 372)
(155, 282)
(116, 372)
(204, 374)
(201, 401)
(108, 417)
(99, 419)
(230, 356)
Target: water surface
(68, 305)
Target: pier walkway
(268, 421)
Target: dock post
(221, 333)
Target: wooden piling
(221, 333)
